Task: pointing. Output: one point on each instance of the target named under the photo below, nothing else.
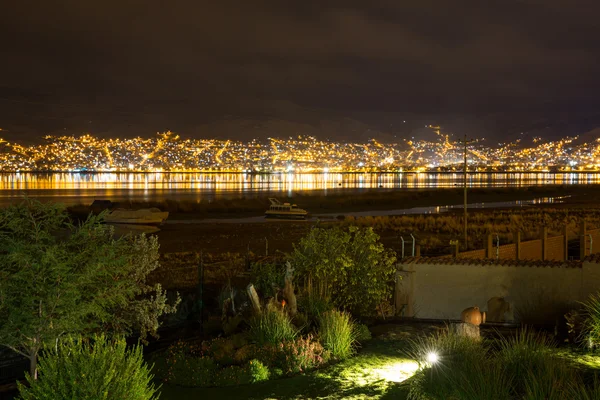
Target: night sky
(340, 70)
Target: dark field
(280, 235)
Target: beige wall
(443, 291)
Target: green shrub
(95, 369)
(337, 333)
(313, 306)
(267, 278)
(272, 327)
(276, 373)
(258, 371)
(351, 267)
(363, 334)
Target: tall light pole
(465, 190)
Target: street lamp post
(465, 190)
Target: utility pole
(465, 189)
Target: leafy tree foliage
(93, 370)
(349, 267)
(57, 278)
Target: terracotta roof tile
(501, 263)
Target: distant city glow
(167, 152)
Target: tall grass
(337, 333)
(464, 370)
(272, 327)
(519, 367)
(591, 324)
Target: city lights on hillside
(168, 152)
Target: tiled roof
(492, 261)
(594, 258)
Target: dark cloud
(134, 67)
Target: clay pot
(472, 315)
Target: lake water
(74, 188)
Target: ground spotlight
(432, 357)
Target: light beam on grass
(397, 372)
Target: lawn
(375, 372)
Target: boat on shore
(278, 209)
(145, 216)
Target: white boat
(145, 216)
(284, 210)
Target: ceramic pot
(472, 315)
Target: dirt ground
(279, 236)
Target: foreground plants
(58, 278)
(91, 369)
(521, 367)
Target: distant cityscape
(167, 152)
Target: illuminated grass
(374, 372)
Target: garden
(313, 323)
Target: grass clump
(272, 327)
(337, 333)
(524, 366)
(591, 323)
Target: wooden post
(544, 238)
(418, 250)
(254, 299)
(490, 247)
(566, 242)
(266, 247)
(517, 240)
(582, 240)
(288, 290)
(455, 249)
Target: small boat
(284, 210)
(145, 216)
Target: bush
(300, 355)
(314, 305)
(272, 327)
(94, 369)
(267, 278)
(349, 267)
(362, 333)
(337, 333)
(258, 371)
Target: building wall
(478, 254)
(531, 250)
(443, 291)
(555, 248)
(595, 243)
(507, 252)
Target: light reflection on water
(196, 186)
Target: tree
(58, 278)
(350, 267)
